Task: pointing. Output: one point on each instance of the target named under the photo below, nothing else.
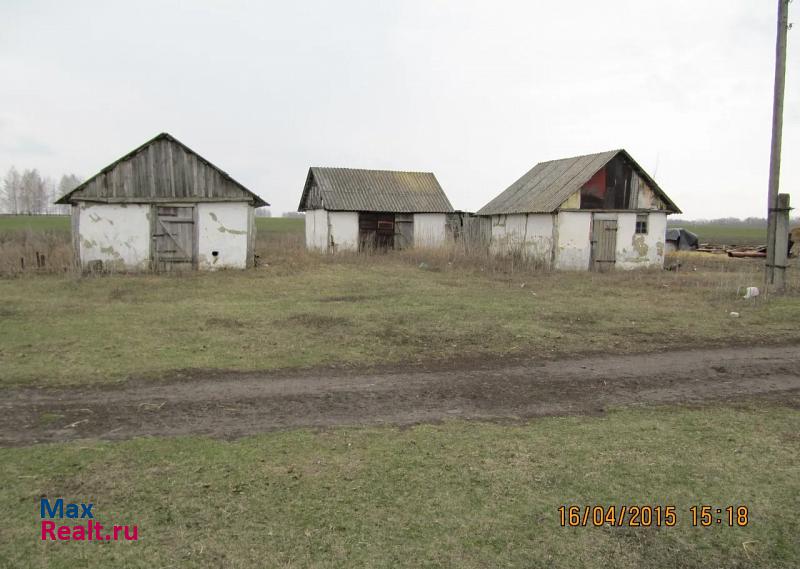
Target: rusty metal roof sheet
(549, 184)
(348, 189)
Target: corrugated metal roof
(348, 189)
(549, 184)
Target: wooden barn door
(403, 231)
(604, 244)
(174, 238)
(375, 231)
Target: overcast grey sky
(477, 92)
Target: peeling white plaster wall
(539, 237)
(574, 240)
(316, 223)
(530, 233)
(343, 230)
(116, 234)
(222, 227)
(642, 250)
(535, 233)
(429, 229)
(507, 233)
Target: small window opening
(214, 253)
(641, 224)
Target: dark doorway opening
(375, 231)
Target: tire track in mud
(236, 404)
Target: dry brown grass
(286, 254)
(27, 250)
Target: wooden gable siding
(162, 170)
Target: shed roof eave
(376, 210)
(148, 200)
(620, 210)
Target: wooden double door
(174, 238)
(385, 231)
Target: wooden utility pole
(773, 240)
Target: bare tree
(29, 193)
(67, 183)
(33, 197)
(12, 184)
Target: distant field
(725, 234)
(34, 222)
(279, 225)
(268, 225)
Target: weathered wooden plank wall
(163, 170)
(469, 231)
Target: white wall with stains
(116, 234)
(534, 234)
(531, 234)
(640, 250)
(316, 222)
(343, 230)
(222, 228)
(430, 229)
(337, 231)
(539, 237)
(573, 250)
(507, 233)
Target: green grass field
(467, 495)
(268, 226)
(458, 494)
(34, 223)
(361, 310)
(265, 225)
(724, 234)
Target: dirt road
(233, 405)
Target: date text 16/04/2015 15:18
(651, 516)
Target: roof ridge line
(371, 170)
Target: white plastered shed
(355, 210)
(593, 212)
(162, 207)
